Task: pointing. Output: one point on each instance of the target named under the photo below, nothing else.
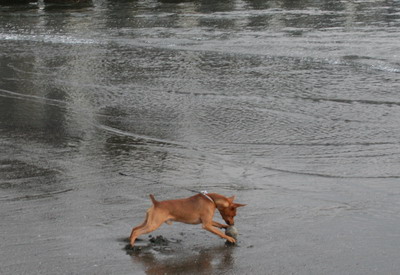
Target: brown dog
(193, 210)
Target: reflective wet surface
(292, 106)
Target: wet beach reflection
(166, 260)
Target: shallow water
(293, 106)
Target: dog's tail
(153, 200)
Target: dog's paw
(230, 240)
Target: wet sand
(291, 106)
(55, 222)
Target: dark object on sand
(132, 249)
(155, 243)
(159, 240)
(232, 232)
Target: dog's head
(227, 208)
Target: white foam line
(125, 133)
(18, 95)
(57, 39)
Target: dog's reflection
(159, 260)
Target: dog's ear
(236, 205)
(231, 199)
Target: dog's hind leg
(151, 223)
(137, 227)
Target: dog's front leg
(209, 227)
(219, 225)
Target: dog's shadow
(162, 256)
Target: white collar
(204, 193)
